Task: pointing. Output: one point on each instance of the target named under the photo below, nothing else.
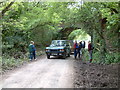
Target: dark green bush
(112, 58)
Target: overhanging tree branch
(6, 9)
(112, 9)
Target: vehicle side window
(67, 43)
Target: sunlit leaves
(30, 20)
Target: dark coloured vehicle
(59, 48)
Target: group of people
(78, 49)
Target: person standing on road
(90, 49)
(32, 51)
(83, 47)
(75, 49)
(83, 42)
(79, 50)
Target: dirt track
(90, 75)
(62, 73)
(43, 73)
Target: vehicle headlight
(62, 50)
(47, 50)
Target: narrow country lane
(43, 73)
(62, 73)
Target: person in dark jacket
(90, 49)
(32, 50)
(79, 50)
(75, 49)
(83, 44)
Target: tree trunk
(103, 41)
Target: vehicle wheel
(64, 56)
(48, 56)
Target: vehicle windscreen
(57, 43)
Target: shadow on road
(60, 57)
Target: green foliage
(9, 62)
(96, 57)
(85, 54)
(42, 22)
(78, 35)
(112, 58)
